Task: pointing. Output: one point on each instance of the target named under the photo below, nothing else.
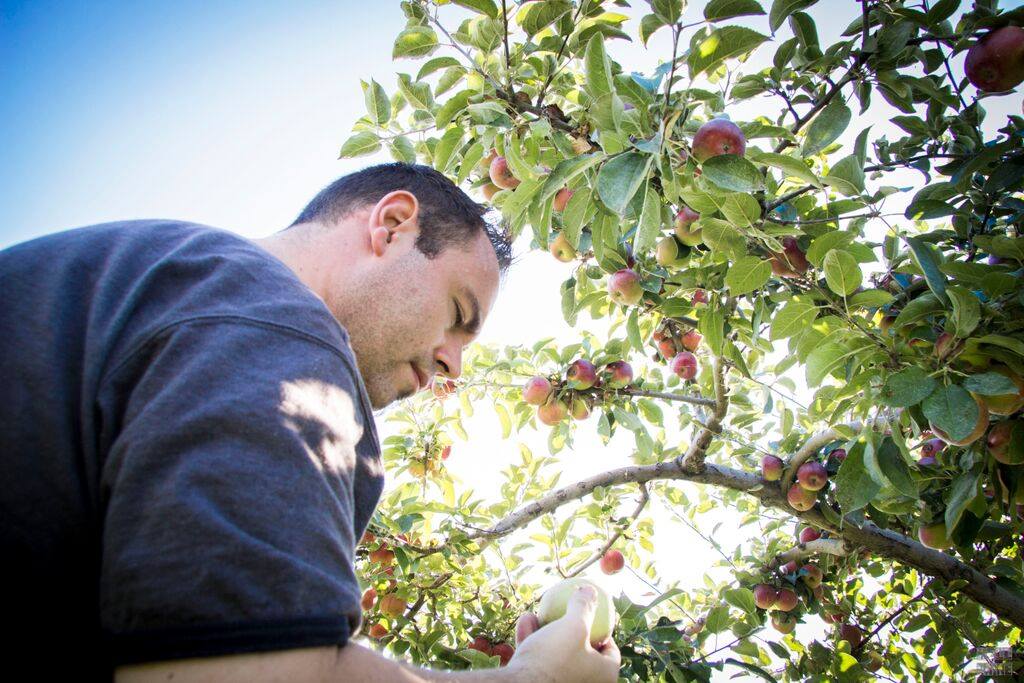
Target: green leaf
(847, 176)
(747, 274)
(620, 178)
(668, 10)
(470, 159)
(598, 68)
(650, 221)
(854, 486)
(712, 325)
(716, 10)
(565, 171)
(734, 173)
(727, 42)
(741, 209)
(741, 598)
(359, 144)
(907, 387)
(966, 311)
(824, 359)
(923, 306)
(793, 318)
(793, 168)
(783, 8)
(962, 492)
(455, 104)
(1015, 345)
(826, 127)
(826, 242)
(538, 15)
(483, 6)
(633, 329)
(722, 238)
(842, 274)
(990, 384)
(869, 298)
(402, 149)
(446, 147)
(889, 468)
(952, 410)
(377, 102)
(929, 262)
(416, 41)
(578, 211)
(432, 65)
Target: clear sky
(232, 114)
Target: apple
(800, 498)
(996, 62)
(562, 198)
(808, 534)
(367, 538)
(667, 251)
(668, 348)
(946, 344)
(718, 136)
(699, 297)
(838, 453)
(935, 536)
(504, 651)
(553, 412)
(685, 365)
(885, 324)
(612, 562)
(819, 592)
(979, 428)
(485, 163)
(691, 340)
(771, 468)
(392, 605)
(1000, 439)
(442, 388)
(684, 230)
(851, 634)
(765, 596)
(1005, 404)
(537, 390)
(932, 448)
(783, 622)
(489, 190)
(812, 576)
(617, 374)
(624, 287)
(501, 174)
(445, 452)
(792, 262)
(786, 601)
(812, 476)
(417, 468)
(382, 555)
(581, 374)
(481, 644)
(579, 409)
(369, 599)
(928, 461)
(555, 601)
(561, 249)
(789, 567)
(377, 631)
(872, 662)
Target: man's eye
(458, 315)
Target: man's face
(418, 315)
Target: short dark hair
(447, 215)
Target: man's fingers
(526, 625)
(582, 605)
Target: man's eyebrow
(472, 325)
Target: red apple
(851, 634)
(789, 567)
(800, 498)
(537, 390)
(481, 644)
(369, 599)
(501, 174)
(935, 536)
(684, 229)
(581, 374)
(699, 297)
(562, 198)
(553, 412)
(624, 287)
(377, 631)
(808, 534)
(612, 562)
(786, 601)
(771, 468)
(839, 454)
(765, 596)
(367, 538)
(668, 348)
(792, 262)
(445, 452)
(1005, 404)
(783, 622)
(504, 651)
(392, 605)
(872, 662)
(685, 365)
(382, 555)
(996, 62)
(1000, 440)
(561, 249)
(617, 374)
(812, 476)
(812, 575)
(932, 447)
(979, 428)
(691, 340)
(718, 136)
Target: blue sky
(228, 113)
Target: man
(187, 438)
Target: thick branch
(810, 447)
(644, 499)
(682, 398)
(819, 546)
(693, 460)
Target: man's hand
(561, 652)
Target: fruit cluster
(677, 345)
(575, 395)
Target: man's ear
(394, 220)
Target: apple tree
(818, 324)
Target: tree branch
(693, 460)
(683, 398)
(811, 446)
(644, 498)
(819, 546)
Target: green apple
(556, 599)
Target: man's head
(407, 264)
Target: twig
(644, 498)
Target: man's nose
(449, 357)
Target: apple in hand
(996, 62)
(612, 562)
(624, 287)
(504, 651)
(481, 644)
(718, 136)
(501, 174)
(537, 390)
(771, 468)
(555, 601)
